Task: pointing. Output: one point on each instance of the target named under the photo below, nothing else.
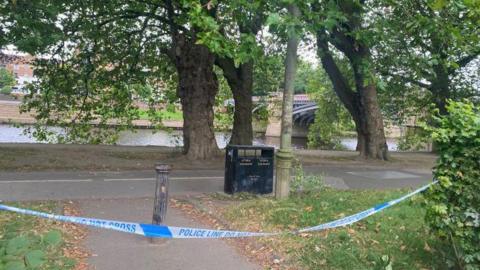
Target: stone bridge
(303, 115)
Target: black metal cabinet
(249, 169)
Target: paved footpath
(121, 196)
(125, 251)
(137, 184)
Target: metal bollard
(161, 195)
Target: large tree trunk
(242, 132)
(197, 87)
(369, 123)
(440, 88)
(362, 104)
(240, 80)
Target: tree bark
(240, 80)
(371, 136)
(197, 87)
(440, 88)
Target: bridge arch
(304, 115)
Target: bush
(7, 81)
(453, 205)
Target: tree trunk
(242, 132)
(440, 88)
(371, 136)
(362, 104)
(240, 80)
(197, 87)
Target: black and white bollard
(161, 195)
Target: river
(143, 137)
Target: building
(21, 67)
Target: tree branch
(339, 82)
(229, 70)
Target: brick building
(20, 67)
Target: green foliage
(229, 28)
(224, 106)
(35, 258)
(428, 44)
(30, 25)
(7, 81)
(27, 243)
(332, 120)
(268, 73)
(306, 183)
(453, 205)
(414, 140)
(53, 238)
(104, 58)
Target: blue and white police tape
(160, 231)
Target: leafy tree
(431, 45)
(343, 27)
(100, 49)
(238, 69)
(7, 81)
(332, 120)
(231, 32)
(269, 68)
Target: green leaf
(52, 238)
(35, 258)
(16, 265)
(439, 4)
(17, 245)
(273, 19)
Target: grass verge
(164, 115)
(28, 242)
(397, 238)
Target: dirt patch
(75, 248)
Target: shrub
(6, 81)
(453, 205)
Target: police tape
(161, 231)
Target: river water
(143, 137)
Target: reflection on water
(11, 134)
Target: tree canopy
(96, 60)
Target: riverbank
(63, 157)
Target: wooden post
(161, 195)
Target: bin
(249, 169)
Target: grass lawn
(396, 238)
(165, 115)
(27, 242)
